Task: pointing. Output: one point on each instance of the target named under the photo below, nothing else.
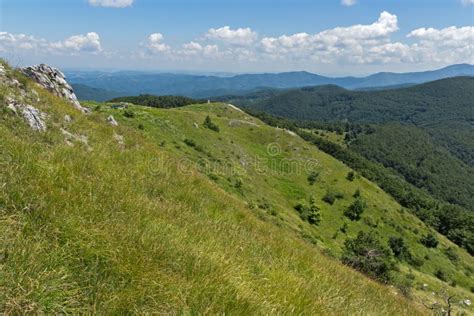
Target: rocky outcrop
(53, 80)
(111, 120)
(34, 117)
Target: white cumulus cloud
(350, 44)
(111, 3)
(88, 43)
(155, 43)
(450, 45)
(240, 36)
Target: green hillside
(199, 209)
(421, 135)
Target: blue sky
(329, 36)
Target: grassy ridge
(158, 223)
(106, 229)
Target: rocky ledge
(53, 80)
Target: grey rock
(53, 80)
(111, 120)
(34, 117)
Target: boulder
(34, 117)
(53, 80)
(111, 120)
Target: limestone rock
(111, 120)
(34, 117)
(53, 80)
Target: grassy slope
(137, 229)
(240, 143)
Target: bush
(211, 125)
(238, 183)
(310, 212)
(440, 274)
(313, 177)
(429, 241)
(355, 210)
(129, 113)
(350, 176)
(267, 206)
(356, 194)
(366, 254)
(399, 248)
(329, 198)
(190, 142)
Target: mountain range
(203, 86)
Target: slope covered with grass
(161, 214)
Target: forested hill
(424, 133)
(165, 101)
(443, 108)
(204, 86)
(446, 99)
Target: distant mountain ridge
(200, 86)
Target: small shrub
(210, 125)
(309, 212)
(141, 126)
(399, 248)
(440, 274)
(356, 194)
(329, 198)
(213, 177)
(313, 177)
(350, 176)
(366, 254)
(129, 113)
(190, 142)
(238, 183)
(355, 210)
(267, 206)
(429, 241)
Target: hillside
(204, 86)
(437, 116)
(145, 210)
(425, 104)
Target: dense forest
(166, 101)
